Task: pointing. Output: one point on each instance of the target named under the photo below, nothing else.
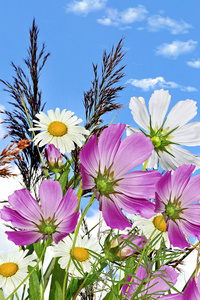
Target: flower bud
(54, 158)
(122, 246)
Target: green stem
(40, 259)
(92, 199)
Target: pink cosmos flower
(176, 198)
(192, 292)
(55, 218)
(156, 287)
(106, 166)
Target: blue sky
(161, 45)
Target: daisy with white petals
(148, 226)
(60, 129)
(14, 268)
(167, 133)
(82, 255)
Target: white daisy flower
(14, 268)
(167, 133)
(60, 129)
(147, 226)
(83, 253)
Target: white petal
(152, 162)
(188, 135)
(130, 130)
(139, 112)
(181, 113)
(181, 156)
(158, 106)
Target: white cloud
(85, 6)
(126, 17)
(157, 22)
(194, 64)
(176, 48)
(147, 84)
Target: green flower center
(173, 209)
(160, 137)
(105, 183)
(47, 227)
(156, 141)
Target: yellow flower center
(160, 225)
(8, 269)
(81, 254)
(57, 128)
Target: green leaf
(38, 247)
(34, 285)
(63, 179)
(57, 276)
(58, 291)
(1, 295)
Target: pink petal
(139, 184)
(87, 179)
(89, 156)
(180, 179)
(50, 196)
(176, 236)
(192, 292)
(191, 193)
(24, 237)
(190, 228)
(67, 205)
(134, 150)
(133, 205)
(112, 214)
(109, 142)
(158, 284)
(26, 205)
(163, 191)
(11, 215)
(192, 213)
(66, 227)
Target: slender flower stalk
(92, 199)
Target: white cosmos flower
(147, 226)
(83, 253)
(14, 268)
(167, 133)
(60, 129)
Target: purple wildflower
(105, 168)
(176, 198)
(53, 155)
(55, 218)
(191, 292)
(156, 287)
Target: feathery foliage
(26, 101)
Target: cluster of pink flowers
(107, 166)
